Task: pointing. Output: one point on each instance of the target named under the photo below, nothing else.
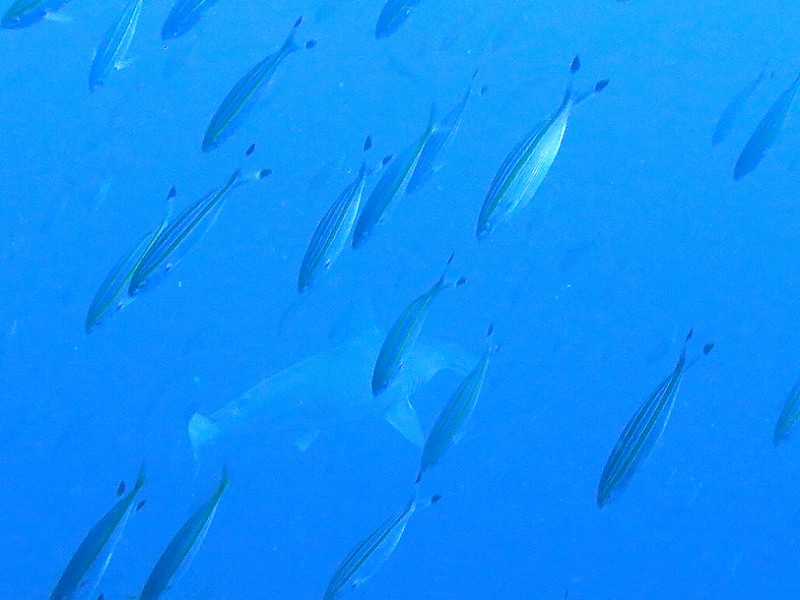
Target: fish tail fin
(574, 67)
(491, 347)
(201, 431)
(141, 478)
(291, 45)
(599, 86)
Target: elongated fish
(188, 228)
(331, 388)
(113, 292)
(641, 432)
(24, 13)
(87, 566)
(184, 15)
(181, 550)
(451, 424)
(734, 109)
(247, 91)
(393, 14)
(367, 557)
(788, 416)
(766, 132)
(113, 48)
(524, 169)
(332, 232)
(391, 186)
(404, 332)
(438, 142)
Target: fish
(24, 13)
(393, 14)
(788, 415)
(451, 423)
(366, 558)
(404, 332)
(184, 15)
(526, 166)
(247, 91)
(642, 431)
(169, 248)
(333, 231)
(391, 186)
(331, 388)
(766, 132)
(438, 142)
(113, 48)
(85, 569)
(734, 109)
(112, 293)
(181, 550)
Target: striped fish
(438, 143)
(113, 48)
(86, 567)
(391, 186)
(641, 433)
(734, 109)
(368, 556)
(113, 292)
(404, 332)
(524, 169)
(179, 553)
(246, 93)
(766, 132)
(184, 15)
(188, 228)
(24, 13)
(788, 416)
(332, 232)
(450, 426)
(393, 14)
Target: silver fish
(766, 132)
(393, 14)
(450, 426)
(113, 48)
(181, 550)
(184, 15)
(87, 566)
(246, 93)
(24, 13)
(524, 169)
(734, 108)
(403, 334)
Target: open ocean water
(638, 234)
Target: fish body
(330, 388)
(393, 14)
(331, 235)
(24, 13)
(367, 557)
(734, 109)
(451, 423)
(113, 48)
(246, 93)
(391, 186)
(788, 416)
(85, 569)
(180, 235)
(640, 434)
(526, 166)
(181, 550)
(438, 143)
(766, 132)
(184, 15)
(402, 336)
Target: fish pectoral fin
(402, 416)
(305, 440)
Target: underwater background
(638, 234)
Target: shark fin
(402, 416)
(201, 431)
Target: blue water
(637, 234)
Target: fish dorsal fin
(402, 416)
